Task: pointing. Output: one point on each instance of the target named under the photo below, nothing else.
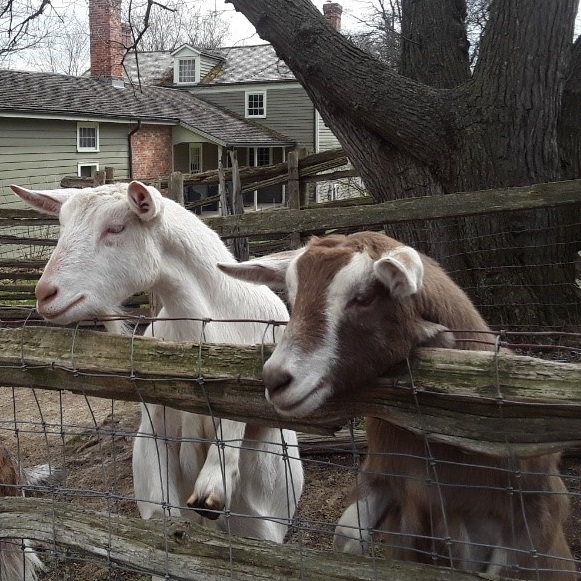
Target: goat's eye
(361, 300)
(115, 229)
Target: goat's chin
(300, 402)
(67, 314)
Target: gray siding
(327, 139)
(206, 65)
(288, 111)
(39, 152)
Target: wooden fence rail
(252, 178)
(482, 402)
(320, 219)
(190, 552)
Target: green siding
(288, 111)
(39, 152)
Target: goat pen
(68, 393)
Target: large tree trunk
(437, 128)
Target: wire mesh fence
(88, 443)
(74, 455)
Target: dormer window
(256, 104)
(186, 65)
(187, 70)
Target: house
(54, 125)
(153, 114)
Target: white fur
(310, 386)
(116, 243)
(18, 562)
(401, 270)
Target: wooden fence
(497, 404)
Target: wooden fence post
(109, 174)
(99, 178)
(294, 191)
(175, 190)
(240, 245)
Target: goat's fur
(119, 240)
(360, 305)
(18, 561)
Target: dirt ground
(41, 427)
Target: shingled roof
(68, 96)
(238, 64)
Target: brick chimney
(106, 41)
(332, 13)
(126, 35)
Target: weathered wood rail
(496, 404)
(321, 220)
(366, 215)
(194, 553)
(252, 178)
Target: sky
(242, 32)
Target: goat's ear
(269, 270)
(144, 200)
(47, 202)
(435, 335)
(401, 270)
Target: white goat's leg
(220, 473)
(354, 529)
(156, 467)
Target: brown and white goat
(360, 305)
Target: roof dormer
(186, 65)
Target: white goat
(360, 305)
(119, 240)
(18, 561)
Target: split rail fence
(495, 403)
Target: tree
(65, 51)
(439, 126)
(169, 25)
(380, 28)
(22, 25)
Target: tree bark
(442, 131)
(435, 52)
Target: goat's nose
(276, 379)
(45, 293)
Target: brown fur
(480, 503)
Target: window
(195, 158)
(256, 104)
(87, 169)
(87, 137)
(186, 70)
(259, 156)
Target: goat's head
(106, 250)
(354, 314)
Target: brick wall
(152, 151)
(106, 39)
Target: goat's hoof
(210, 507)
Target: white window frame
(176, 69)
(83, 125)
(199, 147)
(81, 164)
(247, 96)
